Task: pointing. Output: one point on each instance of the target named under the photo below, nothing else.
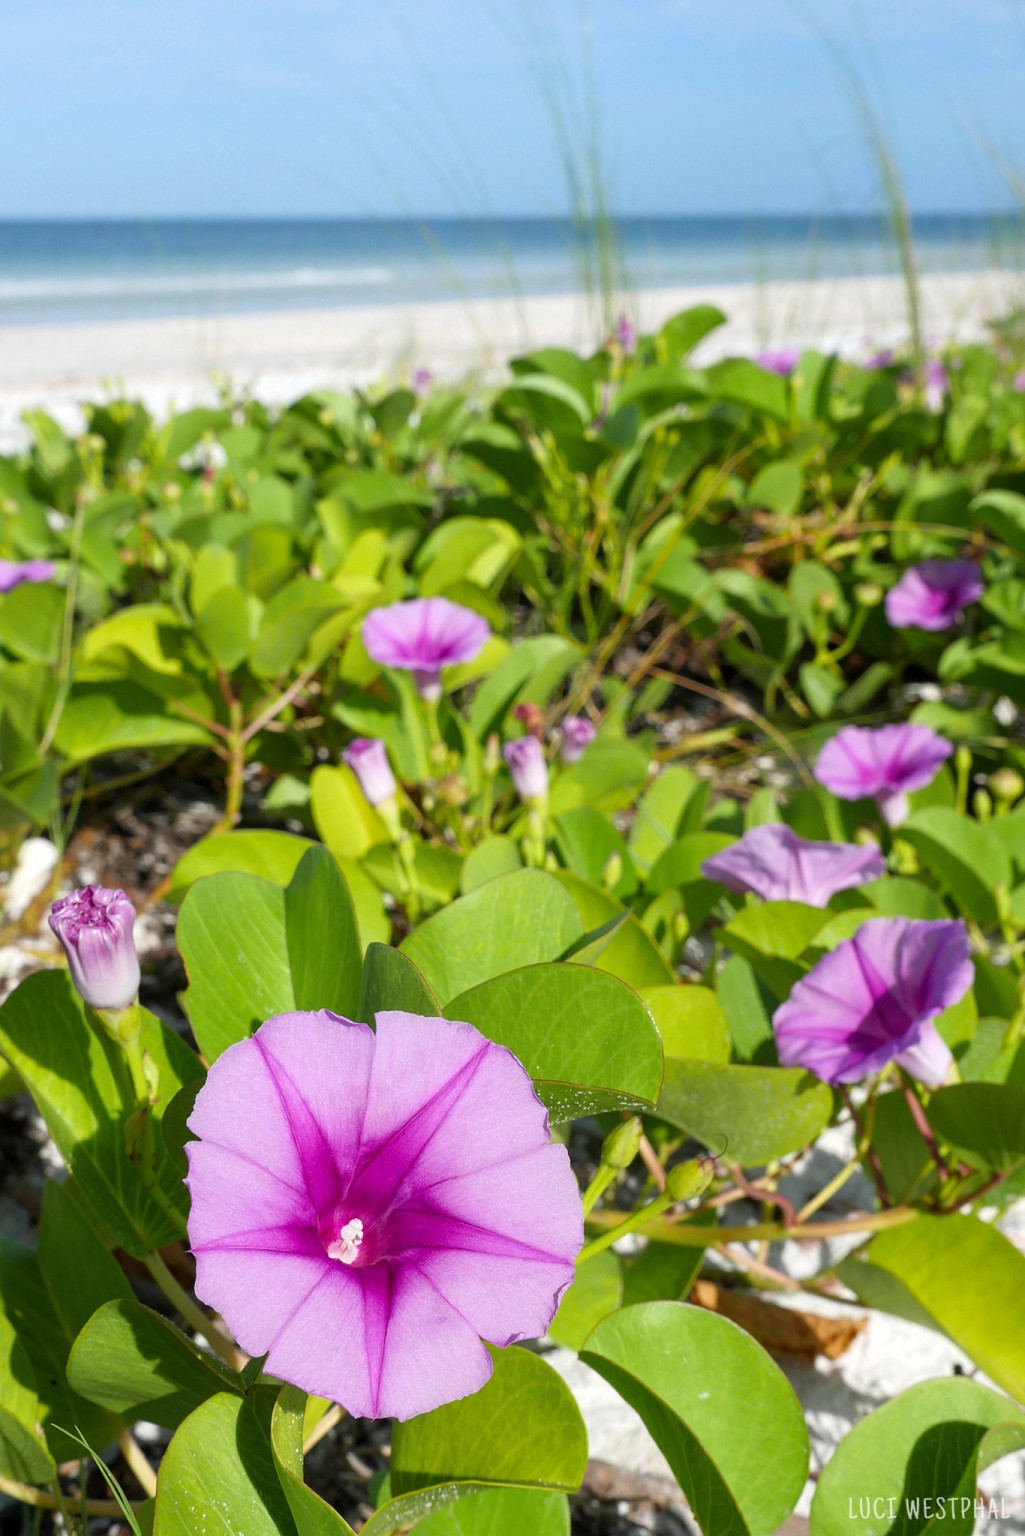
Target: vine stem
(688, 1236)
(192, 1312)
(38, 1498)
(136, 1460)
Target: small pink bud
(95, 926)
(577, 735)
(526, 762)
(369, 762)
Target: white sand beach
(175, 362)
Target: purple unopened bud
(625, 333)
(94, 926)
(577, 735)
(423, 378)
(526, 762)
(782, 360)
(369, 762)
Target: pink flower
(423, 378)
(885, 764)
(95, 926)
(776, 864)
(878, 360)
(873, 999)
(577, 735)
(783, 361)
(525, 759)
(422, 637)
(367, 1207)
(933, 595)
(14, 572)
(369, 762)
(1018, 383)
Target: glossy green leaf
(517, 919)
(969, 1278)
(629, 951)
(218, 1474)
(73, 1072)
(690, 1020)
(984, 1121)
(586, 1039)
(967, 857)
(931, 1443)
(273, 856)
(523, 1429)
(723, 1414)
(751, 1115)
(391, 980)
(140, 1366)
(253, 950)
(311, 1515)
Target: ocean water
(69, 270)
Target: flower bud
(868, 594)
(94, 926)
(982, 805)
(826, 600)
(577, 735)
(492, 755)
(452, 790)
(369, 762)
(622, 1144)
(687, 1180)
(526, 762)
(531, 717)
(1006, 785)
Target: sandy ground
(176, 361)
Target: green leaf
(274, 856)
(218, 1474)
(663, 815)
(587, 1040)
(932, 1442)
(742, 382)
(522, 1430)
(391, 980)
(517, 919)
(501, 1512)
(970, 1279)
(46, 1297)
(681, 332)
(690, 1020)
(324, 951)
(342, 814)
(984, 1121)
(727, 1421)
(23, 1451)
(73, 1073)
(223, 627)
(253, 950)
(121, 717)
(139, 1366)
(750, 1114)
(967, 857)
(32, 620)
(311, 1515)
(289, 623)
(629, 952)
(493, 856)
(530, 673)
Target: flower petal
(929, 1059)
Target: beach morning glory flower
(782, 360)
(884, 764)
(577, 735)
(369, 762)
(774, 863)
(94, 926)
(937, 383)
(525, 760)
(423, 378)
(367, 1207)
(873, 999)
(933, 595)
(422, 636)
(878, 360)
(14, 572)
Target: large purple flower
(873, 999)
(776, 864)
(884, 764)
(95, 927)
(422, 636)
(367, 1207)
(933, 595)
(14, 572)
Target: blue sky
(206, 107)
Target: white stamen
(346, 1245)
